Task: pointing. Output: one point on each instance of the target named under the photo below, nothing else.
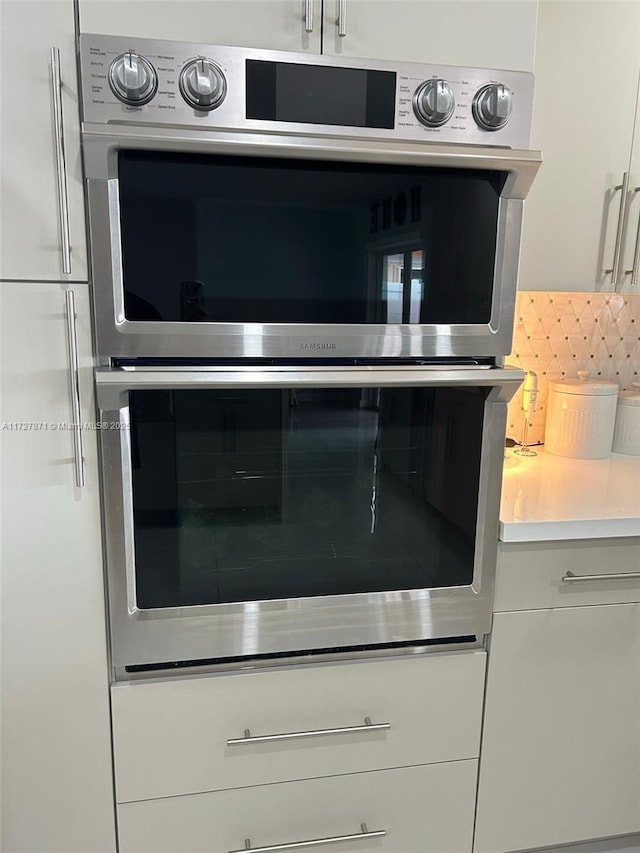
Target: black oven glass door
(230, 239)
(257, 494)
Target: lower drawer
(427, 809)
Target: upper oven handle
(101, 146)
(113, 384)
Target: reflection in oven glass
(251, 240)
(276, 494)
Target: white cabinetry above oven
(485, 33)
(582, 217)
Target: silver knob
(492, 106)
(202, 84)
(433, 102)
(133, 79)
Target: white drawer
(530, 575)
(425, 809)
(170, 736)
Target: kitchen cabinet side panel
(57, 788)
(560, 757)
(30, 223)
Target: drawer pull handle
(314, 842)
(345, 730)
(614, 576)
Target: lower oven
(263, 510)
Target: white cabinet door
(57, 788)
(483, 33)
(630, 279)
(275, 24)
(30, 218)
(424, 809)
(587, 64)
(560, 759)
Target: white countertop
(548, 497)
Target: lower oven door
(253, 511)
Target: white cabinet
(30, 207)
(425, 809)
(432, 705)
(483, 33)
(57, 787)
(489, 33)
(275, 24)
(560, 757)
(587, 66)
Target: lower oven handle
(113, 384)
(344, 730)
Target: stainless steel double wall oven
(304, 275)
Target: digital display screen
(320, 94)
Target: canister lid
(585, 386)
(629, 398)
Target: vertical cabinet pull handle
(74, 384)
(634, 272)
(61, 163)
(308, 16)
(617, 251)
(342, 18)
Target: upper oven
(248, 204)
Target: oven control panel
(152, 82)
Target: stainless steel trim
(279, 662)
(74, 387)
(114, 384)
(342, 18)
(308, 16)
(102, 143)
(61, 163)
(342, 730)
(614, 272)
(246, 630)
(570, 577)
(634, 272)
(363, 835)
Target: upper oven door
(262, 510)
(238, 246)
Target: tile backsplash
(557, 334)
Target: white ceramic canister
(581, 416)
(626, 435)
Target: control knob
(433, 102)
(492, 106)
(133, 79)
(202, 84)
